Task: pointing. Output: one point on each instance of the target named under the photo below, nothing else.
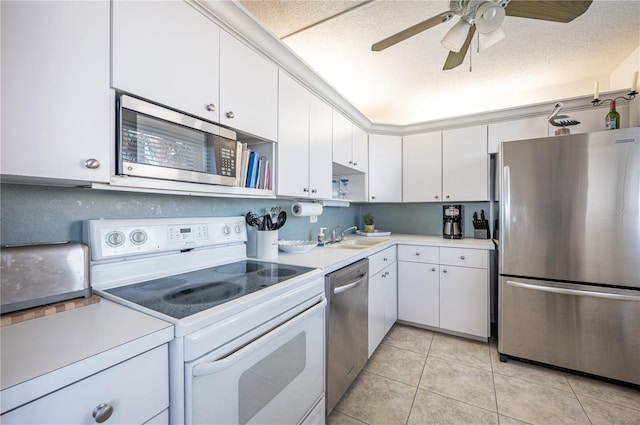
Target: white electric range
(249, 342)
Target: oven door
(275, 379)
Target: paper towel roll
(305, 209)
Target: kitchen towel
(305, 209)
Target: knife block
(481, 233)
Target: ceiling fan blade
(455, 59)
(556, 11)
(411, 31)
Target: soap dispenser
(321, 236)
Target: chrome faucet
(341, 236)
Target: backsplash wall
(35, 214)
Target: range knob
(238, 228)
(226, 229)
(138, 237)
(115, 238)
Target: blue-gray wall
(34, 214)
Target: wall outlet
(313, 219)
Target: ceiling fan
(486, 16)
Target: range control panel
(126, 238)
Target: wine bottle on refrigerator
(612, 120)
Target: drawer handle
(211, 107)
(231, 115)
(92, 163)
(444, 271)
(102, 412)
(462, 257)
(433, 269)
(417, 254)
(385, 259)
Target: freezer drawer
(585, 328)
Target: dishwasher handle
(350, 285)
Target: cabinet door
(465, 164)
(167, 52)
(248, 89)
(422, 167)
(385, 168)
(342, 132)
(360, 149)
(419, 293)
(464, 300)
(390, 296)
(320, 151)
(293, 135)
(376, 310)
(57, 110)
(526, 128)
(137, 390)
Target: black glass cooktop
(182, 295)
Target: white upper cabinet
(465, 164)
(359, 147)
(57, 110)
(304, 146)
(521, 129)
(167, 52)
(349, 144)
(248, 89)
(385, 168)
(320, 148)
(593, 119)
(422, 167)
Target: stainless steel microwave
(157, 142)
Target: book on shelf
(252, 174)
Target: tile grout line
(419, 380)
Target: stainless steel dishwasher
(347, 292)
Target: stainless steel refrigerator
(569, 289)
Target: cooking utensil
(267, 223)
(254, 220)
(282, 218)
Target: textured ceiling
(539, 61)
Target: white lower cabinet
(445, 288)
(383, 295)
(135, 391)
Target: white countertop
(41, 355)
(331, 258)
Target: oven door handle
(214, 366)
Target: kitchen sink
(355, 243)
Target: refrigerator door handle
(506, 199)
(577, 292)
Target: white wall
(622, 77)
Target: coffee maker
(452, 221)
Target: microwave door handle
(209, 368)
(576, 292)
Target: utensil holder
(267, 244)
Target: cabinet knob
(373, 197)
(92, 163)
(417, 254)
(355, 164)
(437, 197)
(306, 190)
(385, 259)
(102, 412)
(447, 196)
(350, 162)
(231, 115)
(433, 269)
(211, 107)
(444, 271)
(314, 190)
(462, 257)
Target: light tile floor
(421, 377)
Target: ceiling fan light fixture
(487, 40)
(489, 17)
(456, 36)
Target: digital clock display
(185, 230)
